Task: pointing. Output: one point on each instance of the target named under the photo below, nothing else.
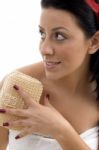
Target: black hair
(87, 21)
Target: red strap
(94, 6)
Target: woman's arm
(27, 70)
(3, 138)
(69, 139)
(63, 132)
(3, 132)
(46, 120)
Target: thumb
(47, 102)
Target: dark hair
(87, 21)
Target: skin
(64, 73)
(4, 132)
(67, 44)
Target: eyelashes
(57, 36)
(42, 34)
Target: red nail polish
(5, 124)
(16, 87)
(2, 111)
(17, 137)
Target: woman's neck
(73, 83)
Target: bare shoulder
(35, 70)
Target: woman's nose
(46, 48)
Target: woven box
(9, 97)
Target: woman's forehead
(56, 14)
(52, 18)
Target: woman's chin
(53, 76)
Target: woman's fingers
(48, 104)
(30, 103)
(17, 123)
(26, 131)
(16, 112)
(26, 97)
(23, 133)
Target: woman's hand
(37, 118)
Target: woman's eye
(59, 37)
(43, 35)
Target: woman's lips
(51, 64)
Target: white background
(19, 36)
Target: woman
(67, 116)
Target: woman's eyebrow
(56, 28)
(40, 27)
(60, 28)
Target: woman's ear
(94, 43)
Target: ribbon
(94, 6)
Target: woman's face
(63, 45)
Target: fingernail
(16, 87)
(47, 96)
(17, 137)
(5, 124)
(2, 111)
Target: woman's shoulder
(35, 70)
